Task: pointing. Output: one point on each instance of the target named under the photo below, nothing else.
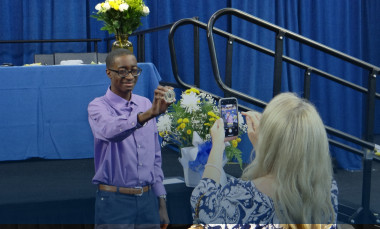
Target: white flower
(145, 10)
(106, 6)
(194, 121)
(241, 119)
(163, 144)
(242, 126)
(210, 99)
(190, 102)
(216, 110)
(164, 123)
(98, 6)
(123, 7)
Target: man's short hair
(110, 60)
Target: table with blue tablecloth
(44, 108)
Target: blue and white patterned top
(239, 202)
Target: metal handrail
(290, 34)
(173, 58)
(241, 95)
(287, 33)
(210, 30)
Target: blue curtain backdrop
(349, 26)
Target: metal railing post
(364, 213)
(278, 62)
(95, 46)
(141, 47)
(228, 76)
(197, 71)
(306, 84)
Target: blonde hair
(292, 146)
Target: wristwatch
(163, 197)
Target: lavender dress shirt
(127, 154)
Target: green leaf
(233, 153)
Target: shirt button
(133, 123)
(121, 130)
(140, 164)
(138, 146)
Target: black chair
(44, 59)
(102, 57)
(87, 58)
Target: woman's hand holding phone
(218, 138)
(218, 134)
(229, 113)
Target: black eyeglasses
(124, 72)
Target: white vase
(192, 178)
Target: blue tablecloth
(44, 108)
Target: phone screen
(229, 114)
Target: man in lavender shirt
(127, 152)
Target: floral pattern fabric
(238, 202)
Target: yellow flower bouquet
(187, 123)
(121, 16)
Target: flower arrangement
(121, 16)
(192, 117)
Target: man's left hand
(164, 218)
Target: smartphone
(229, 113)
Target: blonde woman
(289, 181)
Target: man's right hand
(159, 105)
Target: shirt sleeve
(107, 125)
(158, 186)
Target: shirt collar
(117, 101)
